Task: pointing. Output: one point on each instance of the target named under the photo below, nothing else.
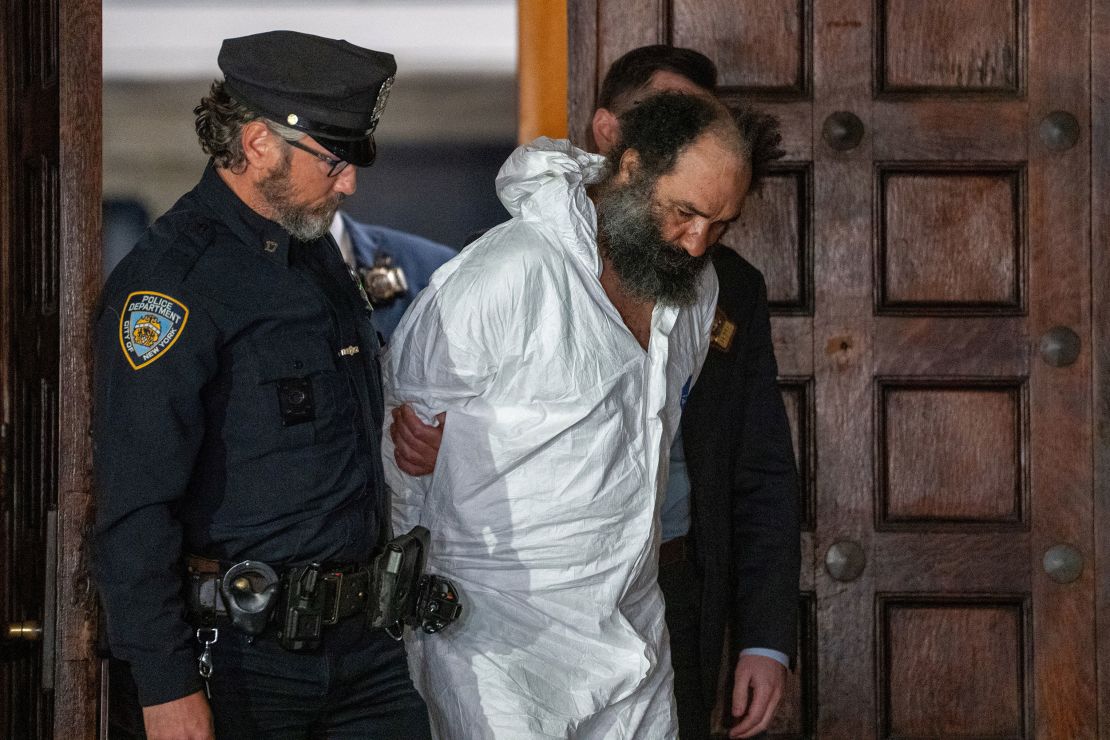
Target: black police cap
(332, 90)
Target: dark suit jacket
(744, 499)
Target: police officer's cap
(332, 90)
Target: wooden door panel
(957, 48)
(30, 257)
(950, 239)
(948, 562)
(933, 128)
(775, 237)
(793, 337)
(912, 278)
(776, 32)
(955, 666)
(628, 24)
(950, 454)
(957, 346)
(49, 238)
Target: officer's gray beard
(629, 235)
(303, 222)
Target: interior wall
(440, 143)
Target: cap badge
(292, 119)
(149, 325)
(383, 95)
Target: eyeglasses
(335, 165)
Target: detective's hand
(415, 444)
(187, 718)
(760, 682)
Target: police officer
(238, 416)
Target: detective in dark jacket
(730, 534)
(238, 407)
(744, 532)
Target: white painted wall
(456, 84)
(179, 39)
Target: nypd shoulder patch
(149, 325)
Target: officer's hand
(415, 444)
(187, 718)
(759, 685)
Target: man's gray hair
(219, 125)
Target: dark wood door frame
(72, 31)
(1100, 323)
(80, 81)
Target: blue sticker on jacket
(149, 325)
(685, 392)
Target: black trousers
(681, 585)
(356, 685)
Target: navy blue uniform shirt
(214, 315)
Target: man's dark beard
(303, 222)
(649, 267)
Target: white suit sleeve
(441, 358)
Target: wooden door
(49, 273)
(927, 248)
(30, 349)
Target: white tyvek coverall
(544, 503)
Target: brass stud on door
(1060, 346)
(1063, 563)
(1059, 131)
(842, 131)
(845, 560)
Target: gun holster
(408, 596)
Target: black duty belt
(391, 592)
(244, 590)
(346, 587)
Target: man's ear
(261, 146)
(606, 130)
(629, 166)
